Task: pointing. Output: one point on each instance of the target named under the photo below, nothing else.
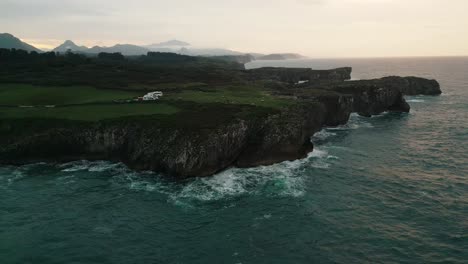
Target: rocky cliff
(187, 151)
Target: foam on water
(282, 179)
(9, 175)
(323, 135)
(415, 101)
(355, 122)
(91, 166)
(65, 180)
(139, 181)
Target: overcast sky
(317, 28)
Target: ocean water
(388, 189)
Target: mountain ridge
(8, 41)
(281, 56)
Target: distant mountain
(181, 47)
(172, 46)
(171, 43)
(8, 41)
(208, 52)
(125, 49)
(70, 45)
(281, 56)
(256, 55)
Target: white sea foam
(91, 166)
(101, 166)
(355, 122)
(142, 185)
(8, 178)
(415, 101)
(282, 179)
(323, 135)
(225, 184)
(75, 166)
(65, 180)
(318, 159)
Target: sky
(316, 28)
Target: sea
(392, 188)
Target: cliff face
(187, 152)
(282, 136)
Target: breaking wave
(355, 122)
(322, 135)
(415, 101)
(286, 179)
(8, 176)
(91, 166)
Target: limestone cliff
(185, 151)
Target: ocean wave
(91, 166)
(286, 179)
(66, 180)
(140, 181)
(11, 174)
(355, 122)
(8, 176)
(323, 135)
(352, 126)
(415, 101)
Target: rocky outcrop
(413, 85)
(371, 99)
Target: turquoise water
(387, 189)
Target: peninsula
(213, 114)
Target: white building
(152, 96)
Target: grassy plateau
(84, 103)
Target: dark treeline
(113, 70)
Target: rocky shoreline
(194, 152)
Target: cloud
(315, 27)
(29, 9)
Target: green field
(22, 94)
(89, 112)
(245, 95)
(164, 86)
(91, 104)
